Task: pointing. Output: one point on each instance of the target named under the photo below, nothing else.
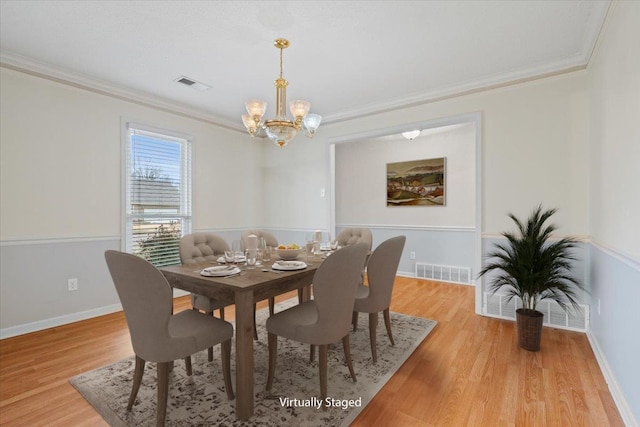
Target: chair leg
(272, 305)
(137, 379)
(347, 356)
(226, 367)
(312, 352)
(255, 329)
(373, 324)
(187, 365)
(354, 320)
(221, 313)
(210, 349)
(163, 392)
(323, 373)
(300, 295)
(387, 323)
(273, 352)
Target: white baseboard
(40, 325)
(618, 397)
(57, 321)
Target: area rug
(200, 400)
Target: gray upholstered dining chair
(351, 236)
(372, 299)
(198, 248)
(268, 237)
(157, 335)
(327, 318)
(270, 240)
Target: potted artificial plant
(531, 267)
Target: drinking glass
(236, 247)
(251, 258)
(309, 248)
(266, 254)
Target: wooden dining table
(245, 289)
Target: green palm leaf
(530, 267)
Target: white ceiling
(348, 58)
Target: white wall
(615, 134)
(535, 150)
(614, 210)
(569, 141)
(293, 178)
(60, 162)
(361, 179)
(62, 145)
(60, 166)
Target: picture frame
(417, 182)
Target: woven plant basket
(529, 324)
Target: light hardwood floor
(468, 372)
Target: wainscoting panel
(440, 246)
(613, 329)
(443, 246)
(34, 276)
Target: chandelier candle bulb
(299, 109)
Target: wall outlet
(72, 285)
(322, 192)
(412, 255)
(598, 306)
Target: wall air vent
(443, 273)
(496, 305)
(192, 83)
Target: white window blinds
(157, 194)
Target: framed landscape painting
(417, 183)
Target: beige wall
(534, 150)
(615, 133)
(362, 177)
(61, 166)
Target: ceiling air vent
(194, 84)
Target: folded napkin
(220, 271)
(288, 265)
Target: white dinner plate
(220, 270)
(289, 265)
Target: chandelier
(281, 130)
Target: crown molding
(29, 66)
(35, 68)
(575, 63)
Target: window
(157, 193)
